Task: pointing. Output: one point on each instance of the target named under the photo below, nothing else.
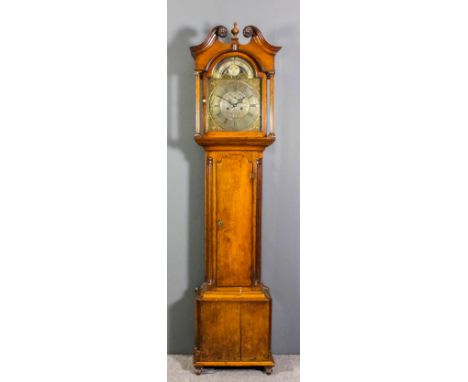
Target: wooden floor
(179, 369)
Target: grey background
(188, 23)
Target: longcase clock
(234, 95)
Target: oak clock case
(234, 104)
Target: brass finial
(235, 30)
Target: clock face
(234, 102)
(234, 105)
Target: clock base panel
(233, 328)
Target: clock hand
(229, 102)
(240, 99)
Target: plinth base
(233, 327)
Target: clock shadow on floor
(180, 130)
